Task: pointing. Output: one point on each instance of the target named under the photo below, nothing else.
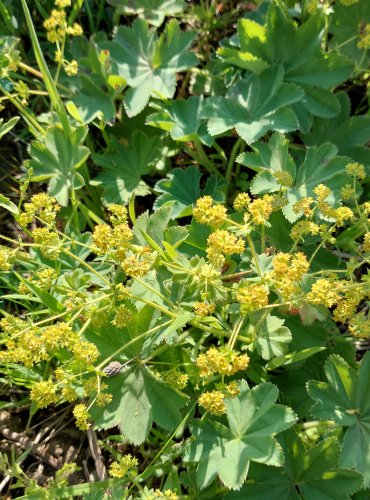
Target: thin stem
(25, 114)
(153, 304)
(235, 332)
(165, 446)
(233, 155)
(90, 268)
(206, 162)
(255, 258)
(128, 344)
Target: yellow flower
(347, 192)
(204, 308)
(85, 352)
(225, 242)
(302, 228)
(5, 258)
(102, 238)
(261, 209)
(213, 401)
(359, 326)
(119, 214)
(223, 361)
(283, 178)
(176, 379)
(82, 416)
(206, 212)
(121, 468)
(304, 205)
(43, 393)
(252, 297)
(71, 68)
(324, 292)
(342, 214)
(241, 201)
(75, 30)
(63, 3)
(123, 316)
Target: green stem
(153, 304)
(90, 268)
(25, 114)
(255, 258)
(161, 451)
(235, 333)
(233, 155)
(49, 83)
(205, 160)
(128, 344)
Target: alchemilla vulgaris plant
(185, 249)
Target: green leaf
(169, 334)
(307, 473)
(139, 399)
(253, 419)
(153, 11)
(320, 166)
(267, 160)
(298, 49)
(349, 134)
(182, 188)
(95, 98)
(345, 27)
(293, 357)
(271, 337)
(149, 63)
(154, 225)
(7, 126)
(6, 203)
(46, 298)
(57, 159)
(123, 167)
(183, 118)
(346, 400)
(254, 106)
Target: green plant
(189, 282)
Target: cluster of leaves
(224, 328)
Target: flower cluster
(359, 326)
(251, 297)
(204, 308)
(82, 416)
(288, 271)
(123, 316)
(113, 240)
(364, 38)
(28, 344)
(214, 401)
(220, 243)
(42, 206)
(57, 29)
(121, 468)
(138, 263)
(208, 212)
(344, 295)
(43, 279)
(223, 361)
(5, 259)
(44, 393)
(175, 379)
